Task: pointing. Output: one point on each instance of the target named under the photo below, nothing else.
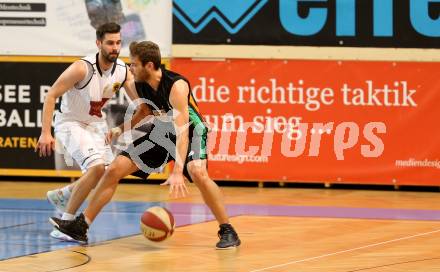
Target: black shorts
(157, 147)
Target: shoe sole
(73, 236)
(230, 247)
(227, 248)
(65, 238)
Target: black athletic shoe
(77, 228)
(228, 237)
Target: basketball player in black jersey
(177, 133)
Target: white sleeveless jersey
(83, 103)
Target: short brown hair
(146, 51)
(107, 28)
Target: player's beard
(110, 57)
(141, 75)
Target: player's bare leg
(83, 186)
(211, 193)
(213, 197)
(77, 229)
(118, 169)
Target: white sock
(68, 216)
(66, 191)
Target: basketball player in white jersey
(85, 87)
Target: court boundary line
(345, 251)
(392, 264)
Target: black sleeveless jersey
(159, 100)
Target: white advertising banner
(67, 27)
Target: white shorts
(84, 143)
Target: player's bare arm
(141, 115)
(72, 75)
(179, 102)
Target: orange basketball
(157, 224)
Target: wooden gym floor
(282, 229)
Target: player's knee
(198, 174)
(113, 172)
(97, 170)
(94, 165)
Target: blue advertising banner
(367, 23)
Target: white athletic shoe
(58, 200)
(61, 236)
